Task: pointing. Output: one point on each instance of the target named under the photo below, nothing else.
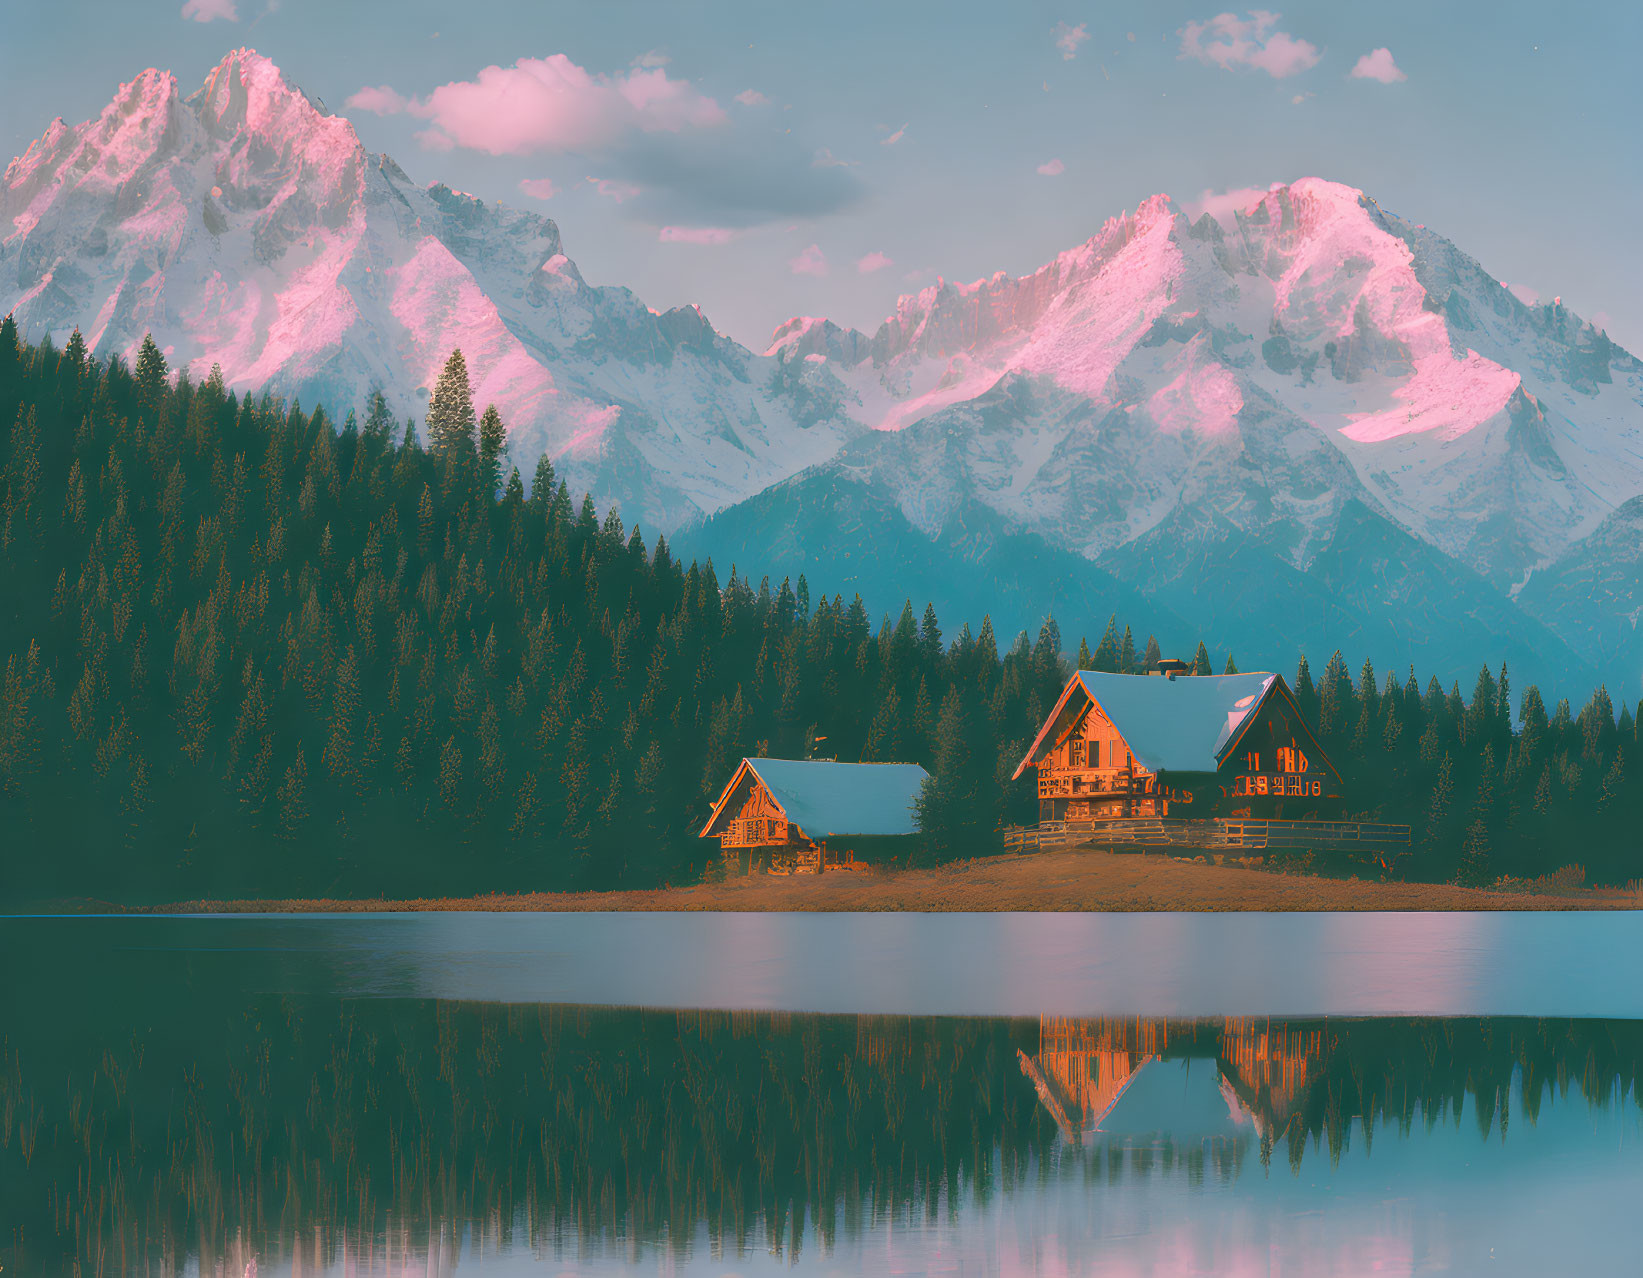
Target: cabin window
(1095, 754)
(1254, 760)
(1260, 785)
(1078, 752)
(1290, 759)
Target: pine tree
(1153, 654)
(450, 775)
(885, 741)
(1200, 661)
(150, 374)
(1306, 695)
(1475, 856)
(958, 807)
(493, 441)
(451, 410)
(291, 802)
(929, 638)
(1108, 653)
(1232, 666)
(1126, 653)
(1443, 794)
(379, 422)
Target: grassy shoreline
(1059, 881)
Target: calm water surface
(887, 1094)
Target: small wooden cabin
(803, 816)
(1179, 745)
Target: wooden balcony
(1068, 785)
(754, 832)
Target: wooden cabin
(1179, 745)
(803, 816)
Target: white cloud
(210, 11)
(655, 58)
(812, 261)
(1068, 38)
(874, 261)
(894, 137)
(1377, 64)
(612, 189)
(537, 188)
(1300, 98)
(1221, 205)
(1524, 294)
(695, 235)
(751, 98)
(1052, 168)
(377, 99)
(551, 104)
(825, 159)
(1228, 41)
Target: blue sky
(878, 145)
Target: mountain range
(1311, 424)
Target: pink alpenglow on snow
(1228, 41)
(811, 261)
(537, 188)
(549, 105)
(695, 235)
(1052, 168)
(1204, 397)
(1377, 65)
(874, 261)
(210, 11)
(1336, 240)
(590, 423)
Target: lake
(828, 1094)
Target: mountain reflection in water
(324, 1135)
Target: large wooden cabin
(1179, 745)
(803, 816)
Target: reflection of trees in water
(381, 1131)
(553, 1127)
(1295, 1082)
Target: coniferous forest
(251, 649)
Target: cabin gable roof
(826, 799)
(1185, 724)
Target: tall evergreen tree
(493, 441)
(451, 410)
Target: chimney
(1169, 667)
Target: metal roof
(825, 799)
(1183, 724)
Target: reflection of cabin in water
(803, 816)
(1084, 1069)
(1182, 745)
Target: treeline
(251, 650)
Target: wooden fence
(1219, 834)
